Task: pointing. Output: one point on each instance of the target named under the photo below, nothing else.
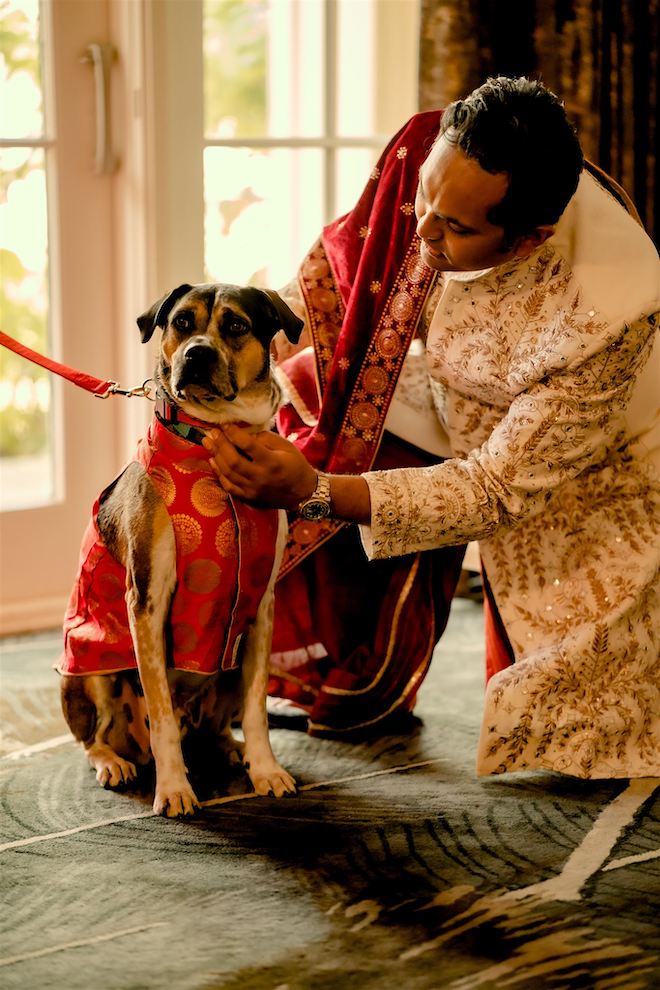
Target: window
(26, 422)
(299, 98)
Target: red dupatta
(364, 286)
(354, 639)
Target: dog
(169, 625)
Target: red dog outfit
(224, 561)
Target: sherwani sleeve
(559, 427)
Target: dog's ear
(285, 318)
(156, 315)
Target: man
(543, 363)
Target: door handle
(101, 57)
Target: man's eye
(458, 230)
(183, 321)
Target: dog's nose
(198, 352)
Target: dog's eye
(237, 327)
(183, 321)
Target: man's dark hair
(518, 127)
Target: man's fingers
(263, 468)
(230, 474)
(226, 453)
(233, 446)
(216, 442)
(252, 466)
(269, 441)
(254, 446)
(231, 487)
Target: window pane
(354, 166)
(235, 51)
(296, 69)
(263, 211)
(355, 91)
(263, 68)
(26, 430)
(25, 389)
(21, 104)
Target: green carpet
(394, 868)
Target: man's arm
(267, 469)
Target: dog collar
(177, 421)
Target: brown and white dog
(127, 708)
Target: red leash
(99, 387)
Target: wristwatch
(318, 505)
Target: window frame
(175, 33)
(388, 24)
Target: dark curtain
(599, 56)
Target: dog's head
(215, 349)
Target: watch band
(318, 505)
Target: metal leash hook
(147, 390)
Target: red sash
(364, 286)
(353, 639)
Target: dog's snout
(199, 365)
(198, 352)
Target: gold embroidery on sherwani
(534, 396)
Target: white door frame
(101, 278)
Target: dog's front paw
(173, 802)
(114, 772)
(272, 779)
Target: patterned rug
(394, 866)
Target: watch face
(315, 509)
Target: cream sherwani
(546, 378)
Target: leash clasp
(147, 390)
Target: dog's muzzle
(196, 365)
(199, 366)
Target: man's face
(454, 197)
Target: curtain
(599, 56)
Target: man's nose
(430, 227)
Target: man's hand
(266, 469)
(260, 467)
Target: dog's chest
(224, 561)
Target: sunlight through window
(290, 129)
(26, 454)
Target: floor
(394, 868)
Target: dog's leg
(91, 713)
(265, 772)
(151, 576)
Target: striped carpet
(394, 866)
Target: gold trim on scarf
(411, 684)
(364, 420)
(416, 677)
(403, 596)
(325, 309)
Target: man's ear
(524, 246)
(156, 315)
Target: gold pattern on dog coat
(224, 561)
